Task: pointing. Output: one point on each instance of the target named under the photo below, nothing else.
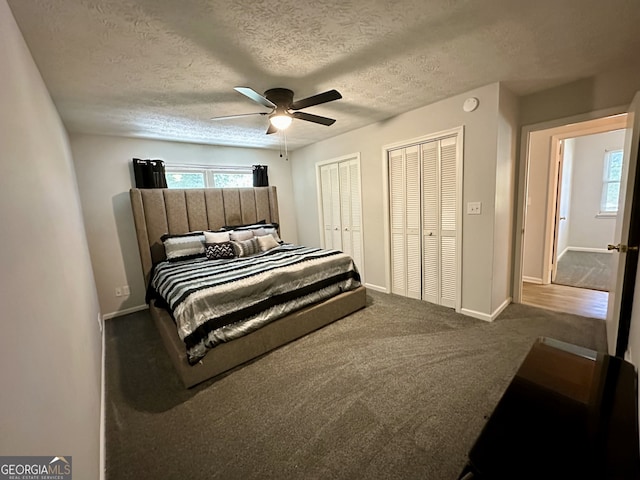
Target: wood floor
(589, 303)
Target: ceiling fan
(280, 101)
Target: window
(611, 182)
(182, 176)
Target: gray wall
(586, 230)
(105, 175)
(479, 184)
(504, 198)
(50, 343)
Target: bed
(158, 212)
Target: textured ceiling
(163, 68)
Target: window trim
(209, 171)
(602, 212)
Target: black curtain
(260, 177)
(149, 173)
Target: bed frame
(176, 211)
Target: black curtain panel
(260, 177)
(149, 173)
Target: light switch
(474, 208)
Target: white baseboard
(532, 280)
(485, 316)
(103, 442)
(479, 315)
(499, 310)
(377, 288)
(126, 311)
(588, 249)
(563, 252)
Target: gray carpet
(398, 390)
(590, 270)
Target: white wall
(105, 175)
(586, 230)
(479, 184)
(534, 229)
(505, 199)
(50, 343)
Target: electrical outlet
(474, 208)
(118, 292)
(125, 291)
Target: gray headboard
(159, 210)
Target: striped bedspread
(215, 301)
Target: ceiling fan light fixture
(281, 121)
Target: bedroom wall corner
(105, 175)
(50, 342)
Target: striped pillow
(245, 248)
(183, 247)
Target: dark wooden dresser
(569, 413)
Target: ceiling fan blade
(313, 118)
(255, 96)
(228, 117)
(325, 97)
(271, 129)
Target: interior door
(619, 312)
(562, 211)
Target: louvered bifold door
(430, 223)
(448, 221)
(327, 222)
(336, 226)
(397, 219)
(406, 270)
(355, 223)
(345, 208)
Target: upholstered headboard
(159, 211)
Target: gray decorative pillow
(183, 247)
(246, 248)
(216, 251)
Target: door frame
(459, 132)
(523, 176)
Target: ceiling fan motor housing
(282, 97)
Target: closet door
(430, 223)
(330, 191)
(423, 197)
(404, 172)
(350, 209)
(341, 204)
(448, 221)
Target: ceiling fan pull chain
(286, 151)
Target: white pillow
(240, 235)
(267, 242)
(216, 237)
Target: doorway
(566, 224)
